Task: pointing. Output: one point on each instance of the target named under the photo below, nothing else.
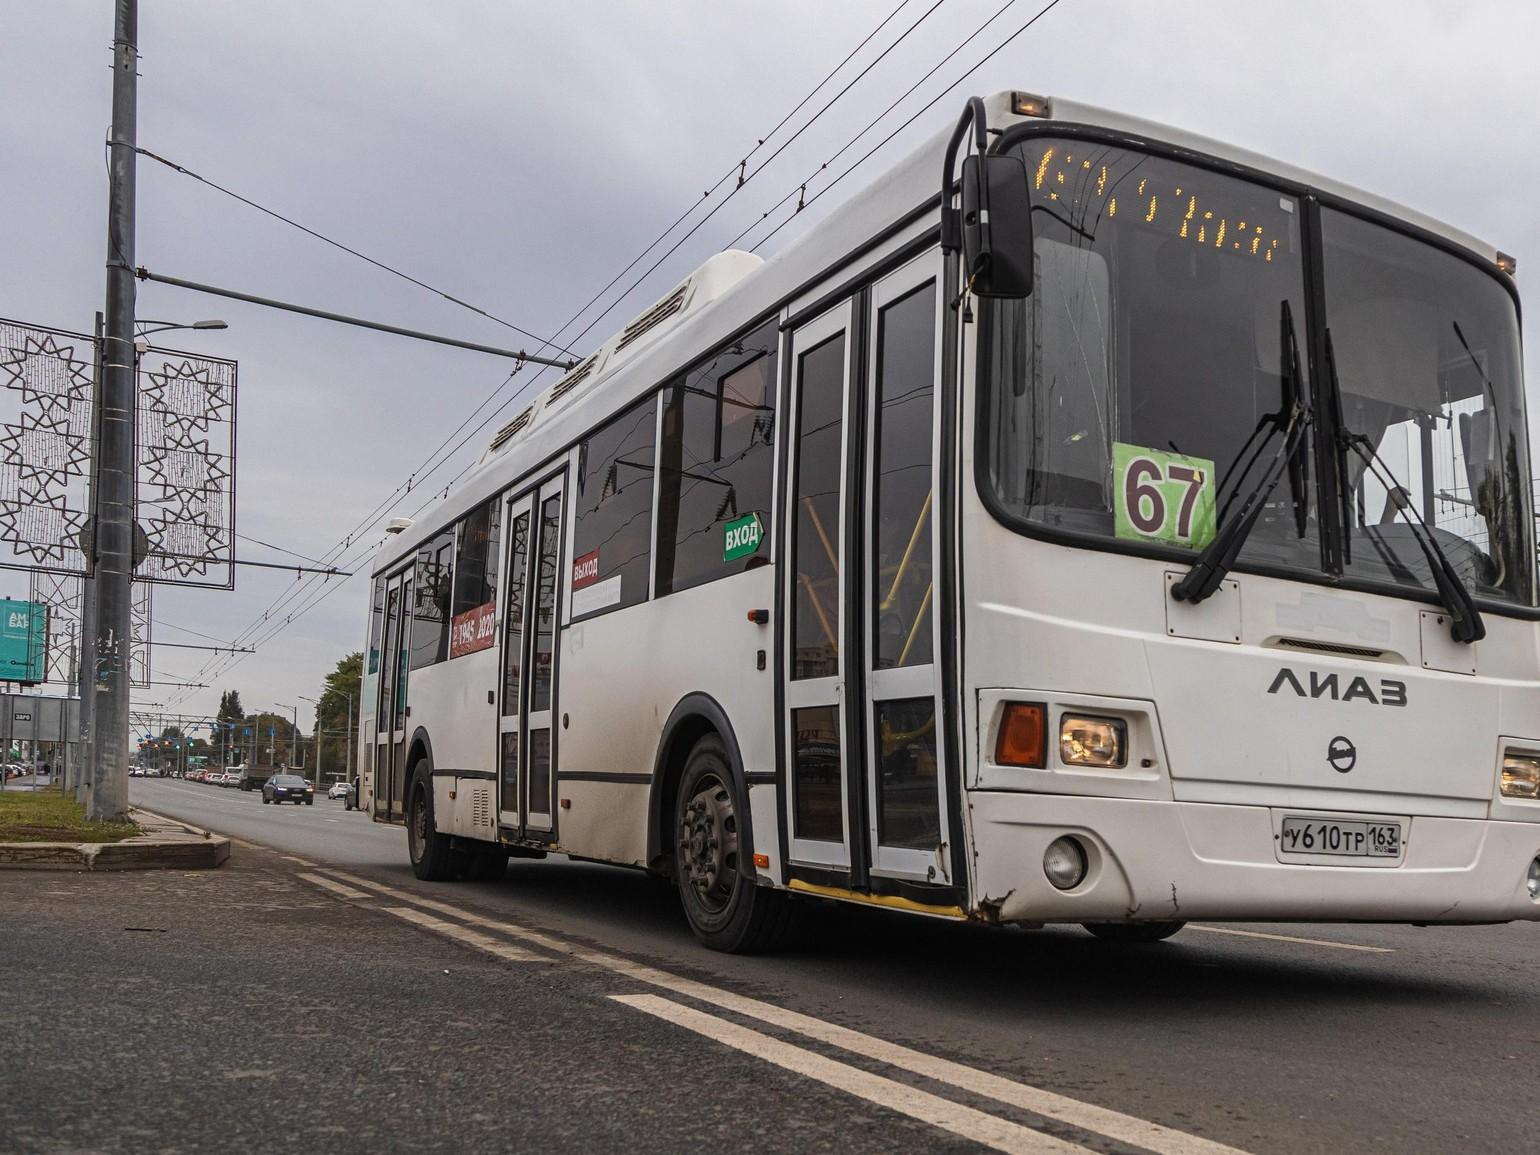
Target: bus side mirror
(996, 225)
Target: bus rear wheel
(432, 858)
(1133, 932)
(724, 907)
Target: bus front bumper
(1159, 861)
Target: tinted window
(906, 366)
(474, 608)
(715, 465)
(820, 409)
(613, 508)
(513, 618)
(430, 604)
(545, 604)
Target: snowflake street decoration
(61, 593)
(185, 467)
(45, 446)
(186, 486)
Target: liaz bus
(1087, 523)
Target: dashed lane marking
(1291, 938)
(335, 887)
(1048, 1104)
(300, 861)
(968, 1122)
(471, 938)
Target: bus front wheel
(432, 858)
(725, 908)
(1133, 932)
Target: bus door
(526, 737)
(864, 742)
(390, 714)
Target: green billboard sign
(23, 641)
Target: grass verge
(53, 816)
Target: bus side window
(714, 469)
(612, 511)
(430, 609)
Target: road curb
(166, 844)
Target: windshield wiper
(1292, 419)
(1465, 622)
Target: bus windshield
(1144, 386)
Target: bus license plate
(1334, 836)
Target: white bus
(1139, 532)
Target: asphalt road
(1274, 1039)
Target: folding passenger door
(390, 713)
(526, 736)
(864, 737)
(816, 593)
(906, 827)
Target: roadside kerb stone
(165, 844)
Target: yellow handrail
(903, 564)
(914, 630)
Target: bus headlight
(1099, 742)
(1521, 775)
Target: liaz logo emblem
(1389, 692)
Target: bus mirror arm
(992, 226)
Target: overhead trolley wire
(336, 244)
(297, 589)
(740, 169)
(915, 116)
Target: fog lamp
(1093, 741)
(1521, 775)
(1532, 879)
(1064, 862)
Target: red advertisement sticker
(473, 630)
(585, 570)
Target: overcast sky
(519, 155)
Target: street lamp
(293, 732)
(347, 744)
(147, 327)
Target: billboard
(23, 641)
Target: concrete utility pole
(85, 671)
(113, 524)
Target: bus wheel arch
(696, 716)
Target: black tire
(310, 802)
(485, 865)
(724, 907)
(266, 801)
(1133, 932)
(433, 860)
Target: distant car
(288, 788)
(338, 790)
(136, 772)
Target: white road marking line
(335, 887)
(1291, 938)
(301, 861)
(1087, 1116)
(471, 938)
(968, 1122)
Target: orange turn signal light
(1023, 736)
(762, 861)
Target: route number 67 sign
(1162, 497)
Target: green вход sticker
(743, 537)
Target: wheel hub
(708, 840)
